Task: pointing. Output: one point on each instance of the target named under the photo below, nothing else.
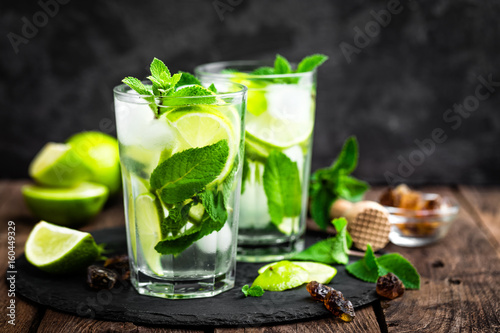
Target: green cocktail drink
(181, 156)
(278, 140)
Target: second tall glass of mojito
(278, 140)
(182, 158)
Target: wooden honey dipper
(367, 222)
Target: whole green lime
(99, 151)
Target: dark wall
(390, 84)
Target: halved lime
(317, 272)
(56, 249)
(147, 222)
(99, 152)
(281, 276)
(200, 126)
(66, 206)
(57, 164)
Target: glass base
(265, 251)
(182, 288)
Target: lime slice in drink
(99, 152)
(147, 221)
(200, 126)
(317, 272)
(256, 95)
(288, 225)
(56, 249)
(57, 164)
(66, 206)
(281, 276)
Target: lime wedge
(147, 222)
(66, 206)
(200, 126)
(99, 152)
(317, 272)
(281, 276)
(57, 164)
(56, 249)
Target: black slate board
(70, 294)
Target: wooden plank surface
(460, 289)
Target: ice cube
(289, 102)
(224, 238)
(208, 244)
(131, 120)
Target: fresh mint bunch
(371, 268)
(329, 184)
(182, 84)
(333, 250)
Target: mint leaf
(320, 252)
(212, 88)
(157, 69)
(282, 187)
(184, 174)
(401, 267)
(255, 291)
(281, 65)
(370, 268)
(311, 62)
(263, 71)
(176, 220)
(365, 269)
(332, 250)
(245, 174)
(192, 91)
(137, 85)
(320, 206)
(348, 158)
(187, 79)
(351, 189)
(177, 244)
(340, 224)
(214, 205)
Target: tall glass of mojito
(181, 152)
(278, 140)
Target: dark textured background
(395, 90)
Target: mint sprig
(371, 268)
(282, 66)
(255, 291)
(328, 184)
(333, 250)
(164, 84)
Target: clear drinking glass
(201, 249)
(278, 140)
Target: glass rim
(207, 69)
(120, 91)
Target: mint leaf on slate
(255, 291)
(187, 79)
(311, 62)
(282, 187)
(401, 267)
(333, 250)
(184, 174)
(370, 268)
(365, 269)
(281, 65)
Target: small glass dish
(412, 228)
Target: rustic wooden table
(460, 288)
